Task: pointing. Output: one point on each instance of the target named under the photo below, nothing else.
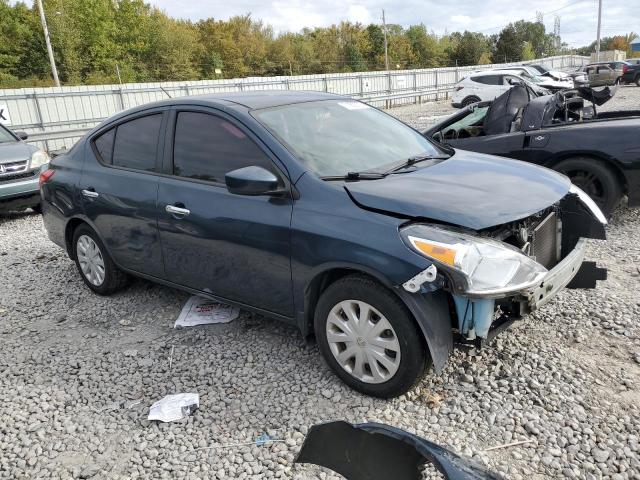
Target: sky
(578, 18)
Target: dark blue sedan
(325, 213)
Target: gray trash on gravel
(174, 407)
(202, 311)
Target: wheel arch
(469, 97)
(608, 162)
(71, 226)
(430, 311)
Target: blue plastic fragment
(262, 439)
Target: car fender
(430, 310)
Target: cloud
(578, 17)
(461, 19)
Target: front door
(232, 246)
(119, 189)
(504, 144)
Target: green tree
(527, 51)
(470, 47)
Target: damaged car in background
(598, 151)
(325, 213)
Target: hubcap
(90, 260)
(363, 341)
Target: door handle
(90, 193)
(177, 210)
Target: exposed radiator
(545, 244)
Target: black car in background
(631, 72)
(598, 151)
(325, 213)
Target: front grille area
(545, 247)
(16, 177)
(8, 169)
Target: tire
(401, 339)
(103, 277)
(596, 179)
(469, 100)
(37, 208)
(637, 80)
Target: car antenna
(168, 94)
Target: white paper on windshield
(354, 105)
(202, 311)
(174, 407)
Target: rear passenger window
(136, 143)
(104, 145)
(489, 79)
(207, 147)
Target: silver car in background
(20, 167)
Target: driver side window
(206, 147)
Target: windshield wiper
(354, 176)
(411, 161)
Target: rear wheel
(369, 338)
(470, 100)
(94, 264)
(596, 179)
(637, 80)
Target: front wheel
(597, 180)
(369, 338)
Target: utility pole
(599, 22)
(54, 70)
(386, 54)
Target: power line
(537, 15)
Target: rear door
(119, 190)
(232, 246)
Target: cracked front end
(497, 275)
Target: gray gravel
(73, 366)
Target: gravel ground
(73, 367)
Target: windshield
(535, 79)
(5, 136)
(335, 137)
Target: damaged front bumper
(557, 278)
(479, 317)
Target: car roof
(257, 99)
(510, 71)
(252, 100)
(485, 72)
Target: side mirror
(22, 135)
(252, 180)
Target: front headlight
(589, 203)
(39, 158)
(478, 266)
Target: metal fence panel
(57, 117)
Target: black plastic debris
(373, 451)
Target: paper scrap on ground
(174, 407)
(202, 311)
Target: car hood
(558, 75)
(15, 152)
(469, 189)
